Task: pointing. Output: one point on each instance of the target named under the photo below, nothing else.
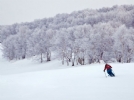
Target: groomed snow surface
(29, 80)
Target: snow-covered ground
(29, 80)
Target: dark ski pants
(109, 71)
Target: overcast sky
(16, 11)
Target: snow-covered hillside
(28, 80)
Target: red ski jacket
(107, 67)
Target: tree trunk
(67, 62)
(23, 57)
(101, 56)
(41, 58)
(72, 62)
(83, 60)
(48, 56)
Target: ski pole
(105, 75)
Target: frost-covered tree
(9, 48)
(17, 44)
(123, 46)
(40, 43)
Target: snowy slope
(29, 80)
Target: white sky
(16, 11)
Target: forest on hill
(81, 37)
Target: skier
(109, 70)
